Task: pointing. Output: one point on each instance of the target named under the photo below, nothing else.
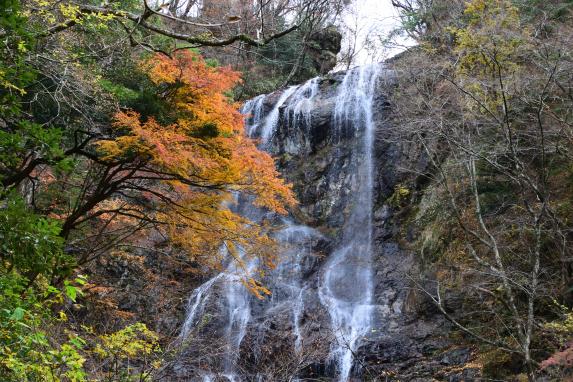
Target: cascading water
(239, 314)
(300, 105)
(271, 120)
(345, 287)
(347, 284)
(253, 109)
(294, 238)
(238, 309)
(237, 306)
(287, 278)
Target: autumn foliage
(193, 168)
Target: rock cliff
(310, 328)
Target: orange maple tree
(189, 172)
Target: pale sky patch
(369, 22)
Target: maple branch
(29, 164)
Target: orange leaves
(262, 179)
(198, 90)
(256, 288)
(194, 166)
(225, 158)
(190, 69)
(131, 144)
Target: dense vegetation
(487, 95)
(120, 137)
(115, 134)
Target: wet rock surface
(408, 339)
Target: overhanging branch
(141, 20)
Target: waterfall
(253, 109)
(237, 302)
(347, 284)
(197, 303)
(300, 105)
(272, 119)
(294, 238)
(344, 283)
(239, 314)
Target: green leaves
(15, 73)
(71, 292)
(32, 346)
(29, 243)
(129, 342)
(123, 94)
(73, 288)
(17, 314)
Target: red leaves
(562, 358)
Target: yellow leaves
(401, 193)
(51, 15)
(62, 316)
(70, 12)
(132, 341)
(22, 47)
(56, 14)
(492, 39)
(8, 85)
(490, 50)
(256, 288)
(120, 147)
(43, 11)
(101, 19)
(207, 224)
(501, 13)
(475, 8)
(563, 327)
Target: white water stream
(346, 285)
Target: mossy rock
(499, 364)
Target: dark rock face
(409, 341)
(323, 46)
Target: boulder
(323, 46)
